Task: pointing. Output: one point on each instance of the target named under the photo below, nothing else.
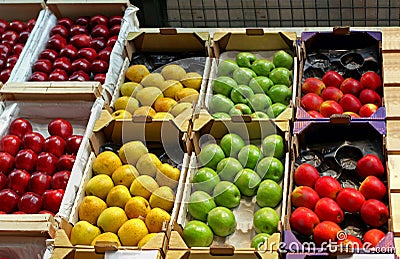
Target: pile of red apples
(78, 50)
(13, 36)
(321, 203)
(336, 95)
(34, 171)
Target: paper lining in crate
(74, 9)
(333, 149)
(349, 54)
(107, 137)
(238, 243)
(263, 44)
(22, 11)
(156, 50)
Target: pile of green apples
(258, 87)
(230, 176)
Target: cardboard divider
(226, 45)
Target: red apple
(105, 54)
(60, 127)
(11, 61)
(311, 102)
(17, 26)
(303, 220)
(5, 49)
(5, 75)
(87, 53)
(10, 37)
(374, 213)
(80, 40)
(83, 20)
(3, 181)
(371, 80)
(327, 186)
(72, 144)
(326, 231)
(18, 212)
(351, 86)
(55, 145)
(34, 141)
(350, 103)
(370, 96)
(114, 31)
(7, 163)
(100, 31)
(328, 210)
(99, 66)
(66, 22)
(26, 160)
(350, 242)
(349, 199)
(58, 75)
(97, 44)
(79, 76)
(3, 25)
(30, 203)
(69, 51)
(61, 30)
(368, 109)
(10, 144)
(62, 63)
(331, 93)
(111, 41)
(17, 49)
(39, 182)
(23, 37)
(46, 163)
(373, 236)
(18, 181)
(43, 65)
(52, 200)
(328, 108)
(77, 29)
(31, 24)
(3, 63)
(8, 200)
(370, 165)
(304, 196)
(332, 78)
(38, 76)
(100, 77)
(352, 114)
(60, 180)
(46, 212)
(56, 42)
(306, 174)
(373, 188)
(49, 54)
(114, 20)
(98, 20)
(65, 162)
(81, 64)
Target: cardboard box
(226, 45)
(105, 132)
(350, 52)
(321, 140)
(237, 244)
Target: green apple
(222, 221)
(269, 194)
(231, 144)
(205, 179)
(245, 59)
(226, 194)
(226, 67)
(260, 102)
(223, 85)
(200, 203)
(260, 84)
(258, 240)
(270, 168)
(283, 59)
(235, 111)
(281, 76)
(278, 108)
(259, 115)
(273, 145)
(241, 94)
(243, 108)
(249, 156)
(210, 155)
(243, 75)
(280, 94)
(220, 103)
(197, 234)
(262, 67)
(227, 168)
(247, 181)
(266, 220)
(221, 115)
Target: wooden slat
(395, 208)
(394, 172)
(392, 102)
(393, 137)
(391, 68)
(391, 39)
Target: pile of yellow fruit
(158, 95)
(128, 198)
